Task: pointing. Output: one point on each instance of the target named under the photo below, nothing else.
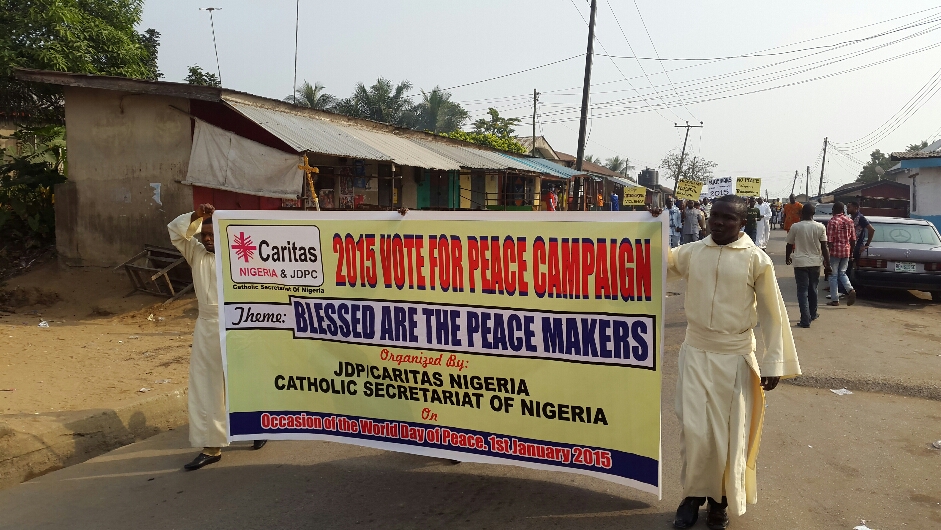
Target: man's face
(206, 237)
(852, 209)
(751, 203)
(725, 223)
(791, 199)
(760, 200)
(669, 203)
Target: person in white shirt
(764, 225)
(807, 251)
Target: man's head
(727, 218)
(206, 236)
(669, 203)
(705, 201)
(760, 200)
(791, 199)
(852, 208)
(751, 202)
(807, 212)
(838, 208)
(696, 204)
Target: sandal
(833, 303)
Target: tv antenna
(214, 46)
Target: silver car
(904, 254)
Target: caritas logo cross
(243, 247)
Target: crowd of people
(688, 220)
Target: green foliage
(490, 140)
(436, 112)
(84, 36)
(692, 167)
(619, 165)
(592, 159)
(496, 125)
(382, 102)
(197, 76)
(870, 173)
(914, 148)
(312, 97)
(27, 178)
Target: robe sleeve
(678, 263)
(780, 355)
(181, 235)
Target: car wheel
(936, 296)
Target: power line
(212, 24)
(654, 46)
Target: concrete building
(142, 152)
(921, 171)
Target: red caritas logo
(243, 247)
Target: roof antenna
(216, 48)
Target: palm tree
(437, 113)
(312, 97)
(592, 159)
(619, 165)
(381, 102)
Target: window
(905, 233)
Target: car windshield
(823, 209)
(905, 233)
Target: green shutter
(424, 190)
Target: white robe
(207, 415)
(764, 225)
(719, 400)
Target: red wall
(230, 200)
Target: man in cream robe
(207, 415)
(731, 287)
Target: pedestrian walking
(694, 223)
(206, 395)
(676, 223)
(807, 250)
(764, 225)
(706, 207)
(752, 216)
(615, 202)
(864, 229)
(841, 238)
(791, 212)
(730, 286)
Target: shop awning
(623, 182)
(404, 151)
(545, 166)
(470, 158)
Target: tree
(693, 167)
(496, 125)
(197, 76)
(437, 113)
(84, 36)
(381, 102)
(592, 160)
(877, 159)
(619, 165)
(914, 148)
(508, 144)
(312, 97)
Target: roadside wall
(925, 190)
(127, 153)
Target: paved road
(827, 461)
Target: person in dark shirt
(863, 228)
(752, 216)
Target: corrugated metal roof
(307, 134)
(547, 167)
(623, 182)
(471, 158)
(403, 151)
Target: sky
(854, 71)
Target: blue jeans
(838, 277)
(807, 280)
(753, 234)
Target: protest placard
(688, 190)
(748, 187)
(482, 337)
(635, 196)
(721, 186)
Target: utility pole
(586, 88)
(679, 170)
(807, 183)
(822, 165)
(535, 100)
(794, 183)
(212, 23)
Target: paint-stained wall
(127, 153)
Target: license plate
(904, 266)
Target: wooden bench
(159, 271)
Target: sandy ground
(101, 347)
